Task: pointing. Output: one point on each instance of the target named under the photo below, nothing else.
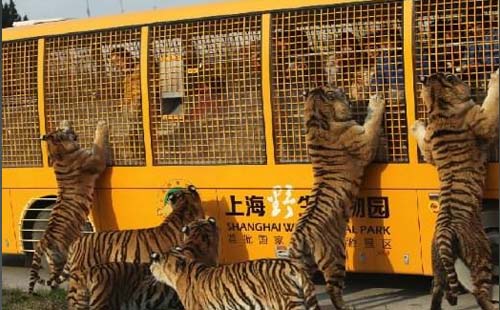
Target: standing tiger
(340, 149)
(130, 286)
(456, 141)
(76, 172)
(270, 284)
(132, 246)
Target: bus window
(20, 123)
(460, 38)
(357, 48)
(208, 107)
(92, 76)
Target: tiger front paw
(493, 86)
(101, 123)
(418, 129)
(102, 126)
(376, 104)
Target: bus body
(211, 95)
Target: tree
(10, 15)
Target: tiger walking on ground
(270, 284)
(339, 149)
(456, 141)
(130, 286)
(132, 246)
(76, 172)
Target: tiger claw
(377, 102)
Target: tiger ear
(155, 257)
(185, 229)
(192, 188)
(180, 264)
(211, 220)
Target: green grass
(16, 299)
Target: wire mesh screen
(459, 37)
(96, 76)
(20, 123)
(205, 92)
(357, 47)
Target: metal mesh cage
(20, 123)
(459, 37)
(357, 47)
(205, 92)
(96, 76)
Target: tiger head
(187, 198)
(324, 105)
(61, 141)
(445, 95)
(168, 267)
(201, 241)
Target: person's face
(118, 61)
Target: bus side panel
(20, 198)
(10, 243)
(140, 208)
(428, 207)
(381, 237)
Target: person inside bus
(129, 67)
(367, 53)
(481, 55)
(130, 100)
(388, 76)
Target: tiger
(76, 171)
(339, 149)
(456, 140)
(132, 246)
(130, 286)
(271, 284)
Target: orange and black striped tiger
(76, 172)
(456, 141)
(132, 246)
(271, 284)
(130, 286)
(339, 149)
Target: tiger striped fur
(130, 286)
(132, 246)
(76, 171)
(125, 286)
(339, 149)
(456, 141)
(264, 284)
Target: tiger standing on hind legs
(339, 149)
(456, 141)
(76, 172)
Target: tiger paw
(494, 81)
(377, 103)
(101, 124)
(452, 298)
(102, 127)
(418, 129)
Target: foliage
(10, 14)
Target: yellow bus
(211, 95)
